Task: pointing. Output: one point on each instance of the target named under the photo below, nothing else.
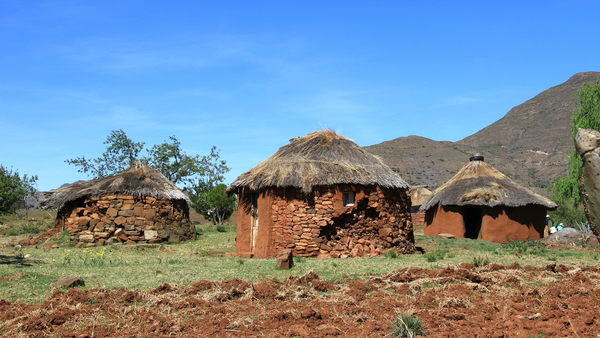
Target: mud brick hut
(322, 195)
(480, 202)
(138, 205)
(418, 194)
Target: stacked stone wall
(127, 219)
(320, 226)
(418, 218)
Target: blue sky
(247, 76)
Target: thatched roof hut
(315, 196)
(478, 183)
(418, 194)
(477, 191)
(139, 205)
(139, 180)
(318, 159)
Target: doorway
(472, 217)
(253, 222)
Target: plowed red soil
(458, 301)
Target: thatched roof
(418, 194)
(137, 180)
(318, 159)
(480, 184)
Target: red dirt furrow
(456, 301)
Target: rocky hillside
(529, 143)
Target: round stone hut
(480, 202)
(139, 205)
(322, 195)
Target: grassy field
(26, 274)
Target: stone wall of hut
(126, 219)
(418, 217)
(320, 226)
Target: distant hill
(528, 144)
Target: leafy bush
(13, 189)
(407, 326)
(221, 228)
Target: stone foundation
(127, 219)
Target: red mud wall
(446, 219)
(244, 246)
(497, 223)
(321, 226)
(520, 224)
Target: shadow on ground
(18, 261)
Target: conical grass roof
(418, 194)
(318, 159)
(138, 180)
(480, 184)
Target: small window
(348, 199)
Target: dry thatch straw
(318, 159)
(478, 183)
(138, 180)
(418, 194)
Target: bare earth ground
(456, 301)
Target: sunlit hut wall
(322, 195)
(480, 202)
(138, 205)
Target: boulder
(150, 234)
(68, 282)
(285, 259)
(572, 236)
(357, 251)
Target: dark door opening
(472, 217)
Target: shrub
(221, 228)
(480, 261)
(407, 326)
(393, 253)
(33, 228)
(435, 255)
(523, 246)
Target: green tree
(566, 190)
(218, 205)
(168, 158)
(14, 189)
(208, 194)
(120, 153)
(183, 169)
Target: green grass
(16, 227)
(26, 274)
(407, 326)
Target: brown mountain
(529, 144)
